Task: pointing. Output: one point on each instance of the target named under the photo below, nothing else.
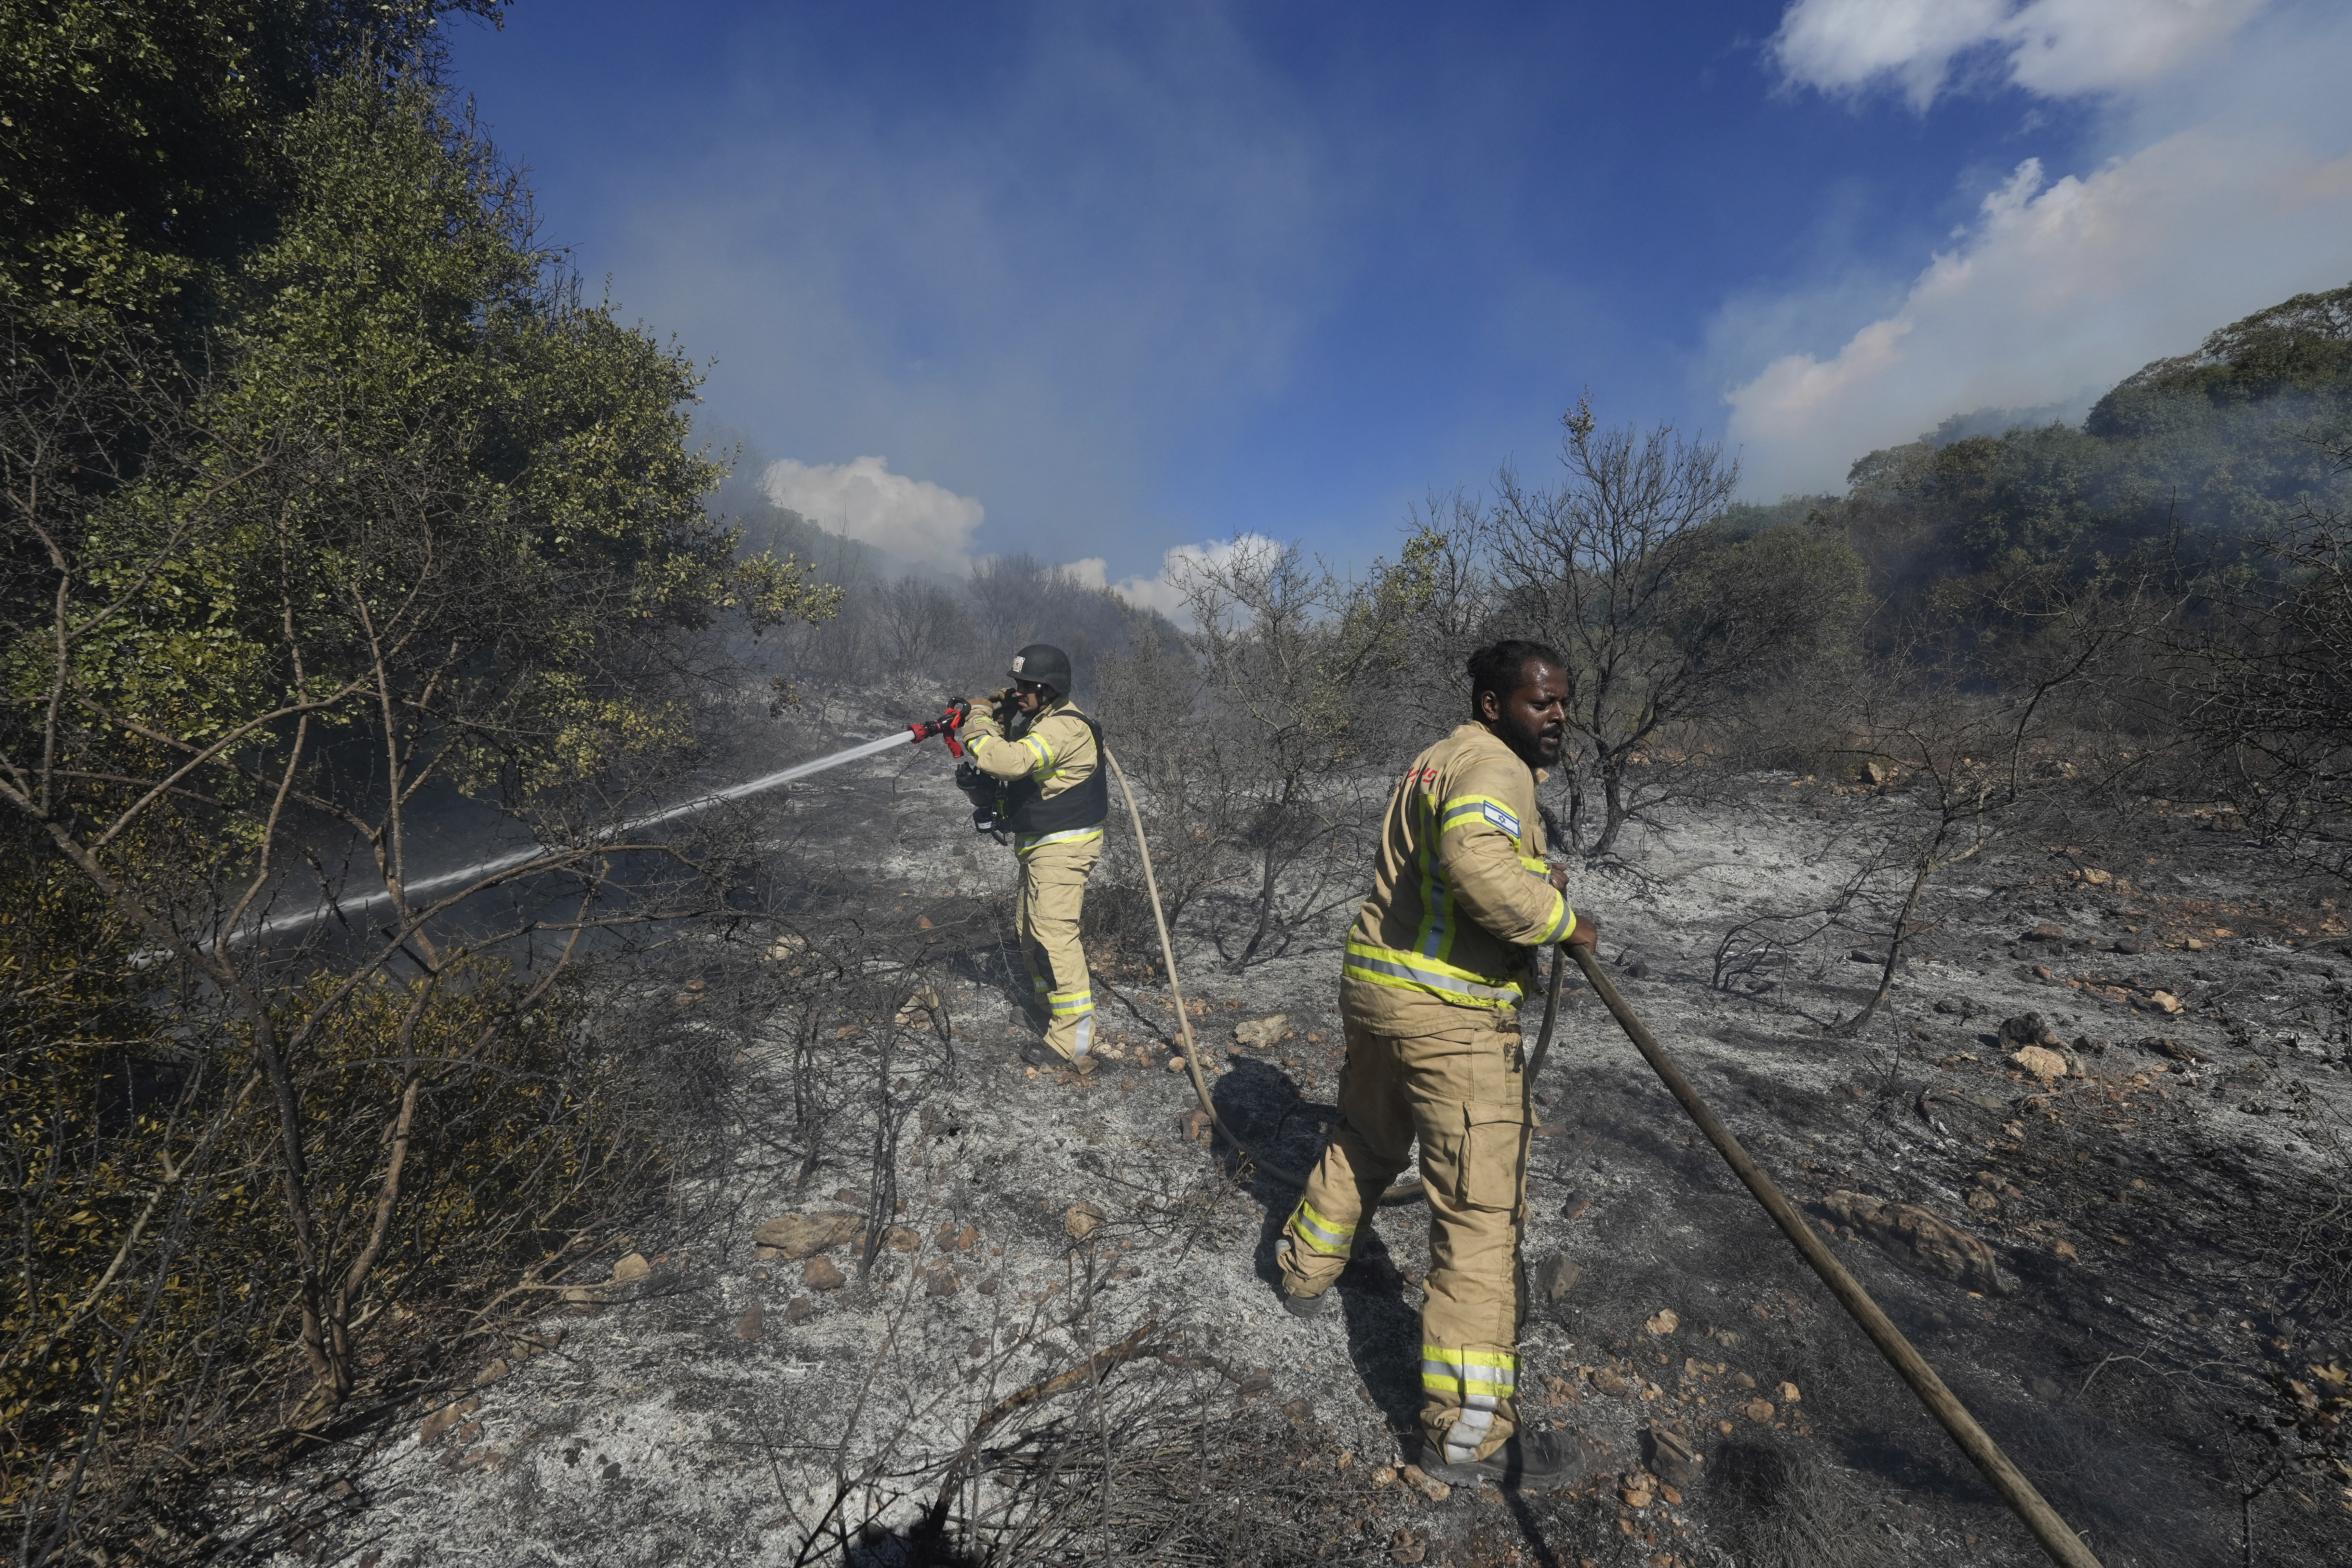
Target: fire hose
(2055, 1536)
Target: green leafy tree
(138, 144)
(409, 524)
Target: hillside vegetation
(348, 543)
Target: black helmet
(1044, 664)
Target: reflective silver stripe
(1086, 1037)
(1434, 982)
(1313, 1225)
(1464, 1374)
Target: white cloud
(2055, 47)
(1166, 591)
(2059, 285)
(911, 518)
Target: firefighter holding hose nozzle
(1037, 770)
(1436, 964)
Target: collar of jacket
(1487, 730)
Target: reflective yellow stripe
(1070, 1001)
(1478, 1380)
(1465, 809)
(1319, 1234)
(1410, 972)
(1022, 844)
(1563, 923)
(1037, 747)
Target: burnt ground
(2161, 1351)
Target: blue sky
(1100, 282)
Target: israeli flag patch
(1502, 819)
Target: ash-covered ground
(1067, 1347)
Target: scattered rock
(1195, 1124)
(797, 1236)
(2040, 1062)
(448, 1415)
(747, 1326)
(1633, 1490)
(1634, 968)
(798, 1310)
(1664, 1320)
(819, 1274)
(1757, 1410)
(2028, 1030)
(631, 1269)
(1555, 1277)
(941, 1281)
(1788, 1394)
(1264, 1033)
(1175, 1064)
(2166, 1045)
(2045, 931)
(1608, 1381)
(1575, 1206)
(1876, 770)
(2091, 1044)
(898, 1238)
(1933, 1243)
(1426, 1485)
(2163, 1002)
(2065, 1249)
(1671, 1456)
(2094, 877)
(1082, 1221)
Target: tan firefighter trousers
(1459, 1095)
(1052, 892)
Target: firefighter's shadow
(1263, 1106)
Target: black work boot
(1528, 1461)
(1303, 1306)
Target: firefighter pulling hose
(1436, 964)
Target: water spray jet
(946, 725)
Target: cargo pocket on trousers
(1477, 1167)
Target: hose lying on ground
(2051, 1531)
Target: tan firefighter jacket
(1056, 747)
(1460, 894)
